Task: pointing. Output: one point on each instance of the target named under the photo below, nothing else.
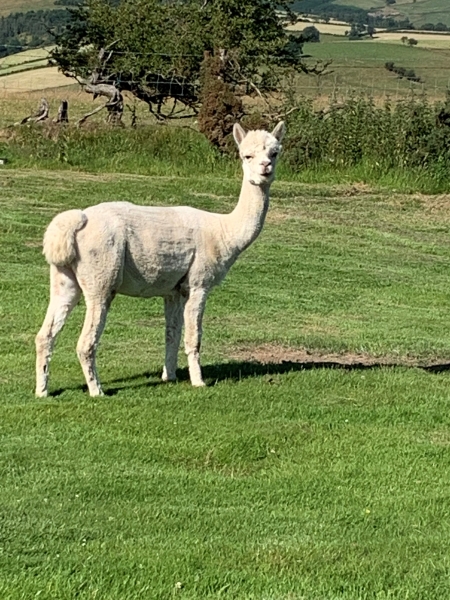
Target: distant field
(10, 6)
(419, 12)
(24, 61)
(360, 66)
(47, 77)
(427, 40)
(355, 66)
(23, 57)
(329, 28)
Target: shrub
(408, 134)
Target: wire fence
(343, 76)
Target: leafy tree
(310, 34)
(155, 48)
(32, 28)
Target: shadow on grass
(240, 370)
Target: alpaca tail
(59, 239)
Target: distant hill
(13, 6)
(30, 29)
(418, 13)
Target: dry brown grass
(34, 80)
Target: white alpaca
(177, 253)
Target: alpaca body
(151, 251)
(178, 253)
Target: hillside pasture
(316, 462)
(33, 80)
(360, 66)
(419, 12)
(12, 6)
(425, 39)
(24, 58)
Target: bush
(407, 135)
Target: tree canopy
(154, 48)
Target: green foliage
(155, 48)
(150, 150)
(405, 135)
(406, 144)
(402, 72)
(32, 28)
(310, 34)
(220, 107)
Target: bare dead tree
(40, 115)
(63, 113)
(98, 85)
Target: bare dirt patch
(273, 354)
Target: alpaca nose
(265, 162)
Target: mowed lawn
(322, 474)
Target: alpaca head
(259, 150)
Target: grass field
(324, 477)
(360, 66)
(24, 58)
(12, 6)
(418, 12)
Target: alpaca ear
(279, 131)
(238, 133)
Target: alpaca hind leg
(94, 323)
(193, 315)
(64, 296)
(173, 309)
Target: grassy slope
(11, 6)
(423, 11)
(360, 65)
(356, 66)
(280, 482)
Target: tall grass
(405, 145)
(407, 142)
(150, 150)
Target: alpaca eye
(248, 157)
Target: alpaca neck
(243, 225)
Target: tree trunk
(40, 115)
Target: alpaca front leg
(173, 309)
(94, 324)
(193, 316)
(64, 296)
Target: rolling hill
(419, 12)
(12, 6)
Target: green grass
(360, 65)
(418, 11)
(24, 61)
(286, 481)
(424, 11)
(13, 6)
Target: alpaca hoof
(198, 384)
(168, 378)
(96, 393)
(41, 394)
